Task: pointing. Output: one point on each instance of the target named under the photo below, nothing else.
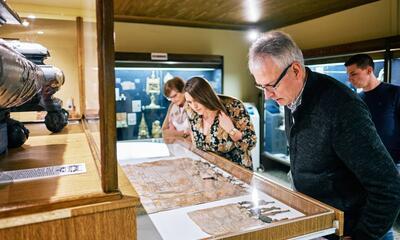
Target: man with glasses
(336, 155)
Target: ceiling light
(25, 23)
(31, 16)
(253, 10)
(253, 34)
(40, 32)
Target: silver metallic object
(26, 84)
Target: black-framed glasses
(274, 86)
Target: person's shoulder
(327, 95)
(230, 101)
(173, 106)
(189, 111)
(394, 92)
(327, 87)
(389, 90)
(391, 86)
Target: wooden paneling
(233, 14)
(282, 232)
(109, 220)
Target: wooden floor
(43, 149)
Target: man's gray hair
(277, 45)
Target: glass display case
(140, 104)
(56, 183)
(275, 141)
(190, 194)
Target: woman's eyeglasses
(171, 97)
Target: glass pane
(39, 40)
(338, 71)
(275, 142)
(91, 79)
(55, 39)
(395, 78)
(141, 105)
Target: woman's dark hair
(202, 92)
(175, 83)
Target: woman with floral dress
(219, 124)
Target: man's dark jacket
(337, 157)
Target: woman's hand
(225, 122)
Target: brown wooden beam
(108, 138)
(373, 45)
(81, 66)
(181, 23)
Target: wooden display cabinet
(88, 205)
(173, 221)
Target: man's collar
(297, 101)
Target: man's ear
(296, 68)
(370, 70)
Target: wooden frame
(318, 216)
(58, 151)
(296, 200)
(81, 66)
(380, 46)
(64, 206)
(105, 41)
(373, 45)
(142, 59)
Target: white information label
(44, 172)
(159, 56)
(131, 118)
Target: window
(338, 71)
(275, 142)
(395, 76)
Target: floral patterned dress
(218, 140)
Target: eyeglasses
(274, 86)
(171, 97)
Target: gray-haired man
(336, 155)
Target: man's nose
(268, 94)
